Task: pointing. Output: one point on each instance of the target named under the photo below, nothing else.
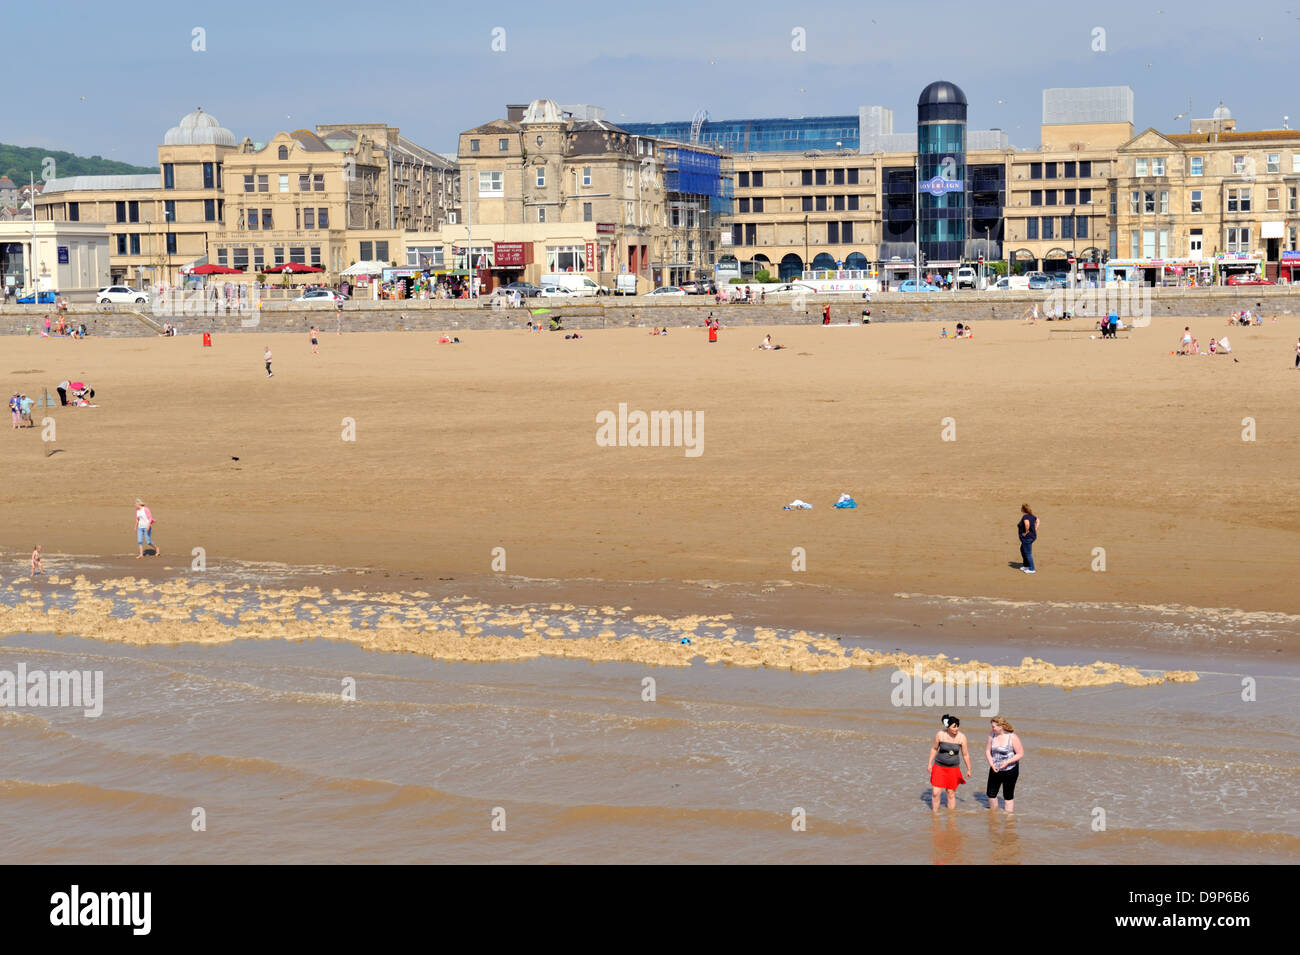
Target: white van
(575, 282)
(625, 284)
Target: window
(627, 179)
(1081, 227)
(758, 180)
(1049, 197)
(1071, 197)
(1036, 197)
(821, 203)
(586, 212)
(1049, 172)
(1049, 227)
(1134, 244)
(1085, 196)
(1197, 167)
(473, 147)
(1295, 162)
(1085, 169)
(133, 210)
(74, 210)
(284, 182)
(1196, 204)
(367, 251)
(209, 210)
(309, 218)
(541, 177)
(758, 204)
(1136, 205)
(322, 218)
(135, 243)
(1164, 202)
(248, 184)
(491, 184)
(1158, 166)
(839, 204)
(252, 219)
(304, 182)
(381, 250)
(1071, 170)
(1114, 201)
(169, 176)
(1273, 162)
(278, 252)
(586, 175)
(1067, 227)
(566, 258)
(806, 177)
(424, 255)
(263, 183)
(239, 259)
(742, 205)
(318, 181)
(171, 243)
(259, 259)
(737, 235)
(853, 203)
(1035, 170)
(1149, 201)
(832, 233)
(503, 145)
(1148, 243)
(1291, 199)
(283, 152)
(751, 234)
(209, 176)
(1031, 227)
(821, 177)
(1239, 165)
(315, 255)
(742, 180)
(846, 231)
(541, 213)
(222, 258)
(1140, 166)
(298, 253)
(1238, 239)
(807, 204)
(1238, 200)
(839, 177)
(853, 177)
(1273, 199)
(121, 245)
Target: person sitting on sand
(1214, 346)
(655, 330)
(768, 346)
(943, 332)
(1196, 347)
(664, 332)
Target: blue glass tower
(942, 188)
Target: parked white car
(554, 291)
(321, 295)
(121, 295)
(575, 282)
(667, 290)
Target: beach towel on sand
(797, 505)
(846, 502)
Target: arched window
(791, 267)
(855, 260)
(823, 260)
(284, 152)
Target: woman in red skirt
(946, 753)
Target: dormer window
(284, 152)
(539, 142)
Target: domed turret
(199, 129)
(542, 111)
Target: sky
(111, 84)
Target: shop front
(1229, 264)
(1289, 267)
(509, 259)
(1158, 273)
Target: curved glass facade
(943, 219)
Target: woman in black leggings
(1004, 752)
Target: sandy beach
(461, 449)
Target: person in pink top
(144, 529)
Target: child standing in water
(37, 569)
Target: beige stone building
(327, 198)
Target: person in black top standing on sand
(1027, 530)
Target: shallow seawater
(579, 767)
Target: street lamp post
(805, 243)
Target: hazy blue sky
(108, 79)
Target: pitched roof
(1254, 136)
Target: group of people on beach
(20, 406)
(1003, 750)
(964, 330)
(1191, 345)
